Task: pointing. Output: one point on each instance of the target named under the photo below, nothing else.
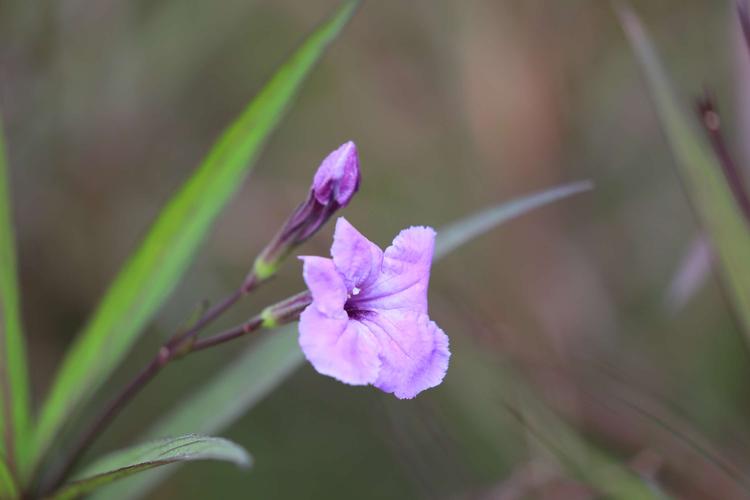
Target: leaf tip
(629, 20)
(581, 186)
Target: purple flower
(335, 183)
(368, 321)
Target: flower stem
(177, 346)
(107, 416)
(227, 335)
(273, 316)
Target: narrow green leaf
(154, 270)
(578, 456)
(238, 387)
(14, 382)
(264, 365)
(227, 396)
(458, 233)
(547, 435)
(146, 456)
(702, 175)
(8, 487)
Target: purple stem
(227, 335)
(175, 347)
(278, 314)
(744, 16)
(711, 122)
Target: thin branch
(227, 335)
(744, 16)
(108, 415)
(214, 312)
(177, 346)
(278, 314)
(711, 122)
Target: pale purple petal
(356, 257)
(368, 321)
(337, 178)
(405, 273)
(339, 348)
(326, 284)
(413, 352)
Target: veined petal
(356, 257)
(413, 352)
(325, 284)
(339, 348)
(405, 273)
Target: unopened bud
(334, 185)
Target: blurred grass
(454, 105)
(14, 390)
(701, 171)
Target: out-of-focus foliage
(702, 174)
(8, 487)
(14, 391)
(459, 233)
(453, 105)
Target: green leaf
(238, 387)
(702, 175)
(8, 487)
(264, 365)
(453, 236)
(14, 382)
(485, 408)
(154, 270)
(581, 459)
(149, 455)
(228, 395)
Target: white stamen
(355, 291)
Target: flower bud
(337, 178)
(334, 185)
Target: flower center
(353, 309)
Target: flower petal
(356, 257)
(337, 178)
(326, 284)
(414, 352)
(405, 273)
(338, 347)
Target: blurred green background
(454, 105)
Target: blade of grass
(262, 367)
(581, 459)
(458, 233)
(266, 364)
(154, 270)
(702, 175)
(14, 382)
(8, 487)
(691, 275)
(511, 393)
(124, 463)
